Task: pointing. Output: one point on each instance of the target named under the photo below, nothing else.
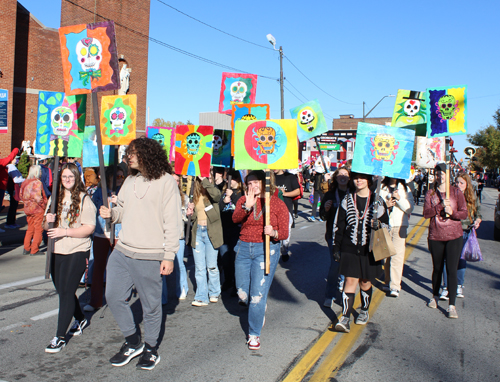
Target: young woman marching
(206, 238)
(328, 209)
(357, 214)
(445, 235)
(74, 224)
(251, 281)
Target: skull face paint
(411, 107)
(384, 146)
(447, 107)
(266, 139)
(89, 52)
(217, 145)
(159, 138)
(118, 116)
(61, 120)
(307, 119)
(193, 143)
(238, 91)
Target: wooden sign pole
(447, 169)
(268, 220)
(191, 192)
(53, 206)
(115, 166)
(327, 170)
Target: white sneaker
(199, 303)
(460, 291)
(183, 295)
(214, 299)
(394, 293)
(444, 295)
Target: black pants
(11, 215)
(295, 207)
(66, 271)
(449, 250)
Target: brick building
(31, 58)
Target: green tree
(488, 139)
(160, 122)
(24, 164)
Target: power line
(295, 88)
(349, 103)
(178, 50)
(292, 93)
(217, 29)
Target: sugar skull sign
(165, 136)
(90, 157)
(193, 149)
(383, 150)
(118, 116)
(236, 88)
(251, 112)
(446, 111)
(60, 124)
(410, 111)
(430, 151)
(221, 144)
(310, 120)
(89, 58)
(270, 144)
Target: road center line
(45, 315)
(22, 282)
(12, 327)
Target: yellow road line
(332, 363)
(311, 357)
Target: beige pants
(394, 265)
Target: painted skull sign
(384, 147)
(165, 136)
(236, 88)
(118, 117)
(446, 111)
(250, 112)
(410, 111)
(221, 144)
(310, 120)
(193, 149)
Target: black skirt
(360, 266)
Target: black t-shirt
(287, 182)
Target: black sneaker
(149, 359)
(55, 345)
(78, 326)
(343, 325)
(126, 353)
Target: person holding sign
(74, 223)
(149, 210)
(251, 281)
(358, 213)
(445, 209)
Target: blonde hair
(35, 172)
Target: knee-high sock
(366, 297)
(347, 303)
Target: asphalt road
(403, 340)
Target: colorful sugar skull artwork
(270, 144)
(193, 149)
(430, 151)
(118, 117)
(60, 124)
(383, 150)
(410, 111)
(89, 58)
(221, 148)
(250, 112)
(310, 120)
(236, 88)
(90, 157)
(446, 111)
(165, 136)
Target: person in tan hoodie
(149, 209)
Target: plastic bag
(471, 250)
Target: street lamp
(366, 115)
(272, 41)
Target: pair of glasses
(131, 153)
(69, 177)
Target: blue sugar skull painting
(310, 120)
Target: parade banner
(60, 124)
(236, 88)
(249, 112)
(268, 144)
(310, 120)
(118, 118)
(383, 150)
(4, 98)
(410, 111)
(446, 111)
(430, 151)
(89, 58)
(193, 149)
(221, 144)
(165, 136)
(90, 157)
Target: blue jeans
(332, 280)
(180, 275)
(252, 281)
(205, 259)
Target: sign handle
(268, 220)
(53, 205)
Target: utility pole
(281, 84)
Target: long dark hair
(235, 174)
(151, 156)
(334, 185)
(385, 183)
(76, 190)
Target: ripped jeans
(252, 281)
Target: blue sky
(356, 51)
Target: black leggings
(295, 206)
(66, 271)
(449, 250)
